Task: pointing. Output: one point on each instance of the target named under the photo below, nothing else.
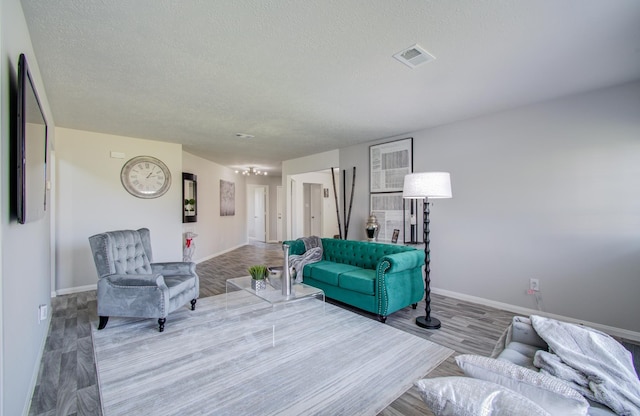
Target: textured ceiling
(310, 76)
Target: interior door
(293, 218)
(312, 209)
(259, 213)
(316, 209)
(280, 209)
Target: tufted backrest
(356, 253)
(122, 252)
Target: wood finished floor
(67, 381)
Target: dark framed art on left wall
(189, 197)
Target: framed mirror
(189, 197)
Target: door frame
(251, 188)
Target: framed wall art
(389, 163)
(389, 209)
(189, 197)
(227, 198)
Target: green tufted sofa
(378, 278)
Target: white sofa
(508, 383)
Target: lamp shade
(427, 185)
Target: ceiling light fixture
(252, 171)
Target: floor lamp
(423, 186)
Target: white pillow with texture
(464, 396)
(550, 393)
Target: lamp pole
(427, 321)
(425, 185)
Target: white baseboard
(219, 253)
(36, 370)
(611, 330)
(77, 289)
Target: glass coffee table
(299, 291)
(274, 296)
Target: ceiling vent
(414, 56)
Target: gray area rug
(235, 355)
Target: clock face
(145, 177)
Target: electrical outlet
(534, 284)
(42, 313)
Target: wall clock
(145, 177)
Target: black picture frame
(189, 197)
(396, 233)
(388, 164)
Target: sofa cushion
(360, 280)
(463, 396)
(520, 354)
(552, 394)
(178, 284)
(517, 358)
(522, 331)
(524, 349)
(328, 272)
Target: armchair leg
(161, 322)
(414, 305)
(193, 304)
(382, 318)
(103, 322)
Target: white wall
(25, 249)
(91, 199)
(216, 234)
(549, 191)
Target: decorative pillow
(551, 393)
(464, 396)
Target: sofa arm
(296, 247)
(523, 332)
(174, 268)
(399, 281)
(405, 260)
(136, 280)
(141, 296)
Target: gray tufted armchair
(131, 285)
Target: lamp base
(430, 323)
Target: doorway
(280, 208)
(326, 224)
(312, 215)
(257, 212)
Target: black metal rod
(348, 220)
(335, 195)
(344, 203)
(427, 321)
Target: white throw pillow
(550, 393)
(464, 396)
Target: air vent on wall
(414, 56)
